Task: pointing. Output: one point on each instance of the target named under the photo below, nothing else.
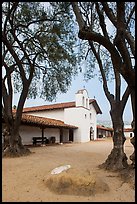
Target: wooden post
(61, 135)
(42, 136)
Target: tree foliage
(109, 31)
(105, 24)
(41, 34)
(38, 59)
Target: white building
(128, 132)
(71, 121)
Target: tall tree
(37, 58)
(118, 39)
(117, 159)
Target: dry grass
(74, 182)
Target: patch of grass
(72, 182)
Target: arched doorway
(91, 133)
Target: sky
(94, 89)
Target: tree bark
(12, 140)
(13, 146)
(132, 157)
(117, 159)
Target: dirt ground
(23, 179)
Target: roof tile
(42, 121)
(59, 106)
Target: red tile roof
(50, 107)
(104, 128)
(44, 122)
(60, 106)
(111, 129)
(128, 130)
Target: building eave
(43, 122)
(96, 106)
(58, 106)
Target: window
(86, 103)
(85, 116)
(90, 115)
(83, 101)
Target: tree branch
(117, 84)
(102, 21)
(109, 96)
(6, 101)
(125, 97)
(9, 70)
(109, 13)
(130, 41)
(78, 15)
(113, 19)
(130, 16)
(9, 13)
(93, 36)
(14, 55)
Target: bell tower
(82, 99)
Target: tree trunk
(13, 146)
(117, 159)
(132, 157)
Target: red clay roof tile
(42, 121)
(59, 106)
(49, 107)
(104, 128)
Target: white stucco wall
(53, 114)
(82, 99)
(55, 132)
(93, 121)
(79, 117)
(127, 134)
(52, 132)
(83, 116)
(27, 132)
